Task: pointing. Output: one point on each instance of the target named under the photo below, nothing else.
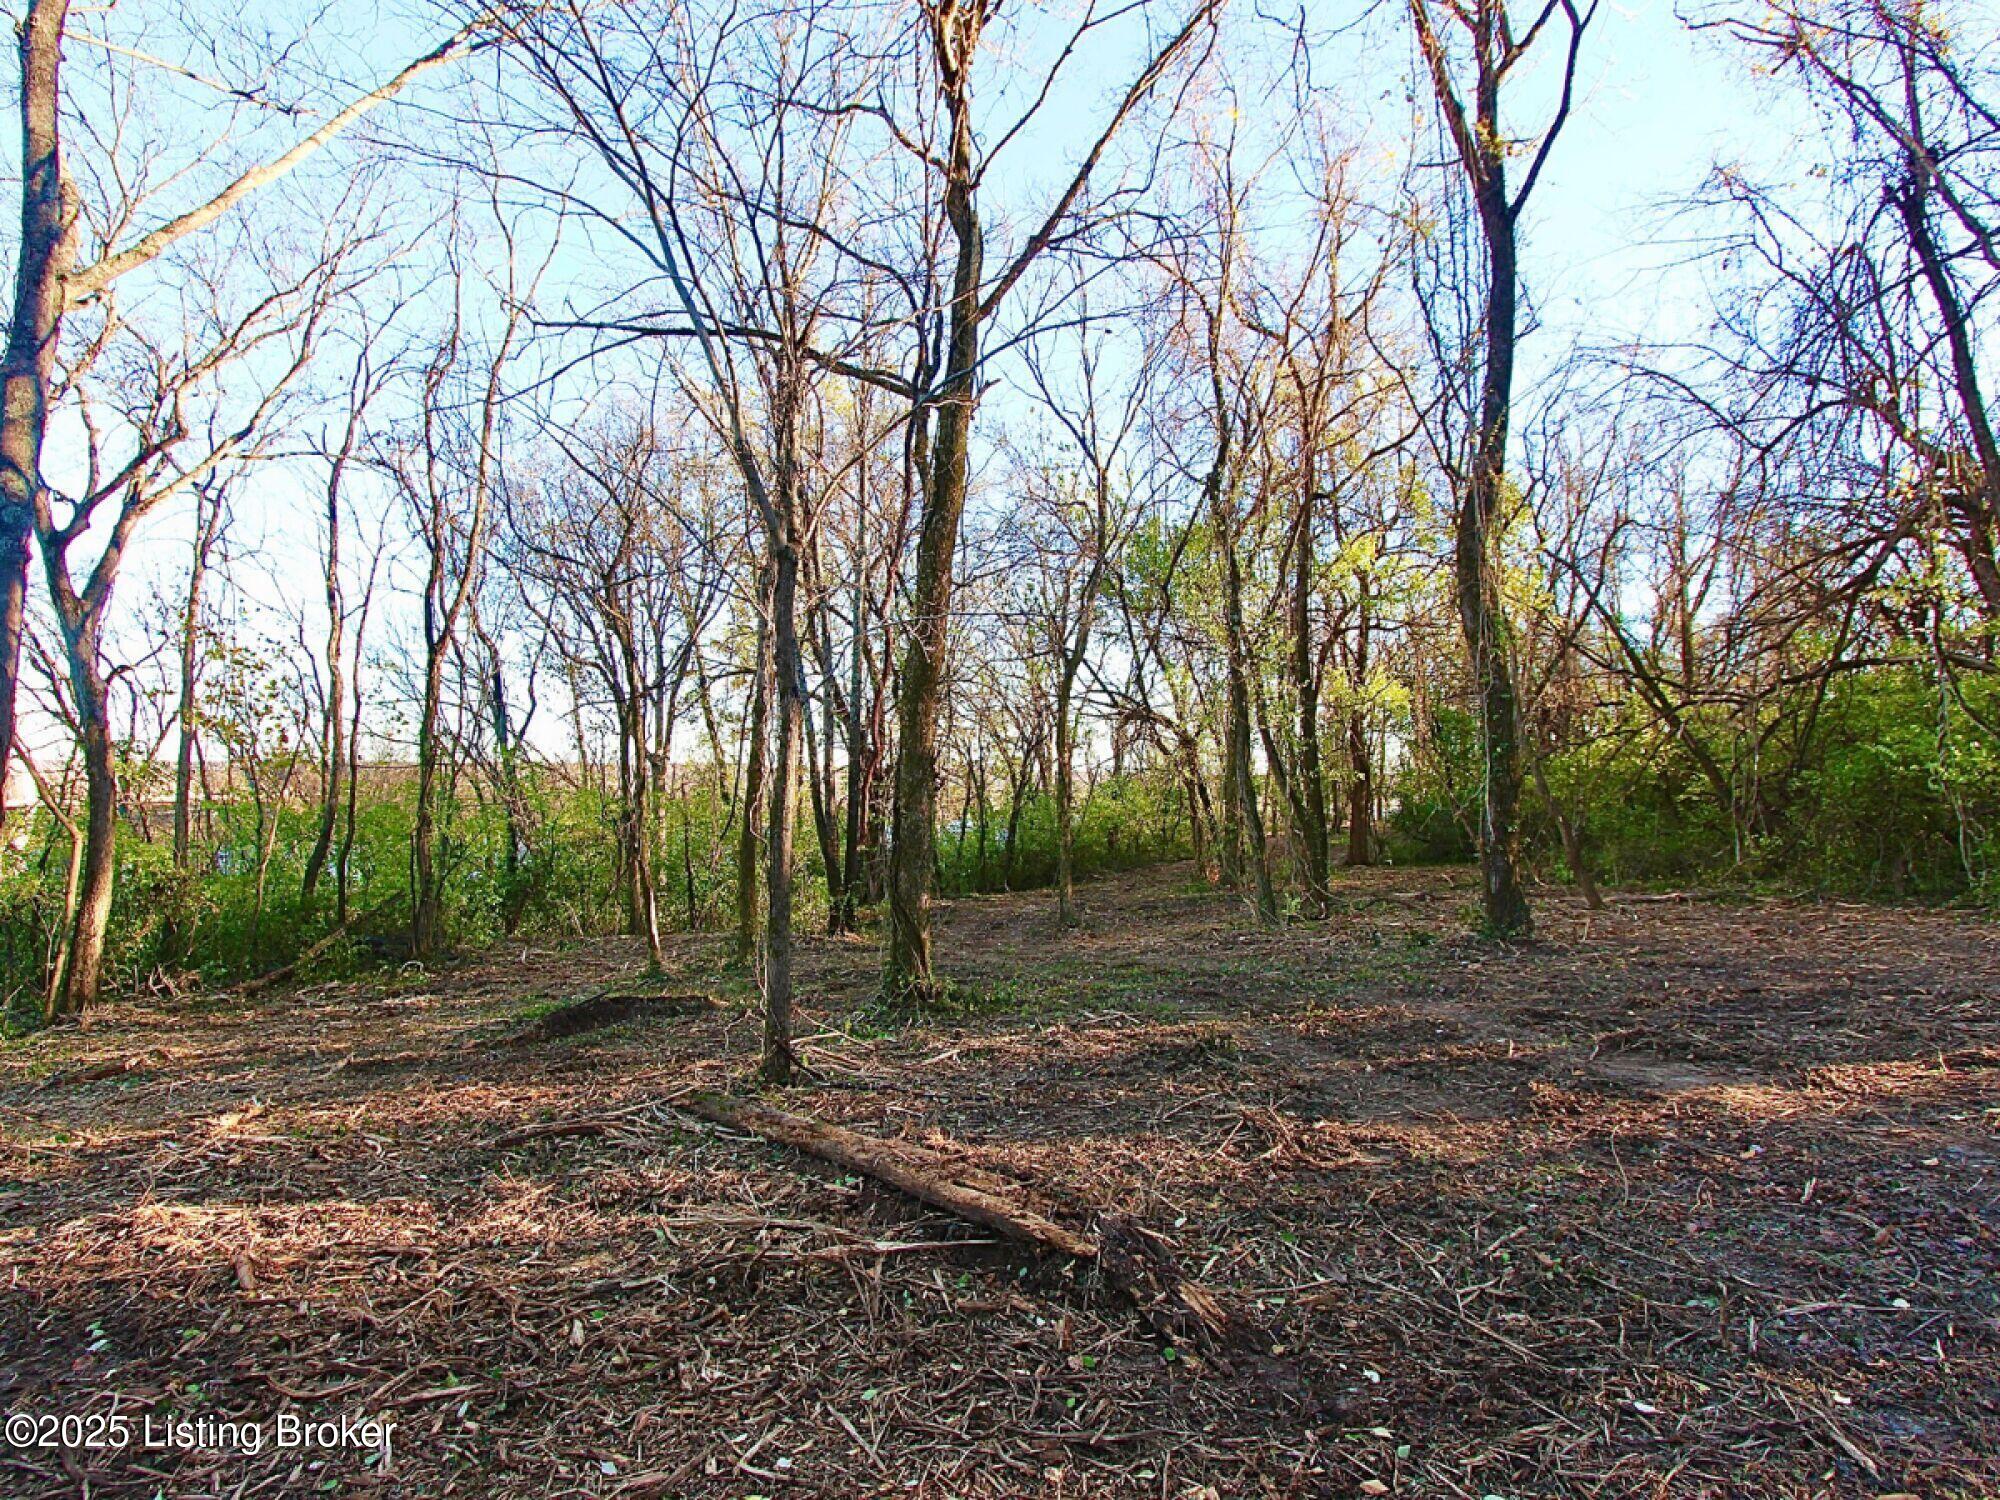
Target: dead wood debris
(1135, 1261)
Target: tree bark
(1480, 610)
(1360, 792)
(331, 787)
(343, 867)
(779, 1061)
(1482, 147)
(908, 970)
(84, 975)
(819, 770)
(1360, 759)
(42, 260)
(1243, 791)
(208, 525)
(752, 809)
(1305, 688)
(860, 768)
(426, 883)
(1065, 811)
(1133, 1261)
(1978, 497)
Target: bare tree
(944, 423)
(370, 375)
(1487, 49)
(1085, 523)
(51, 279)
(146, 453)
(447, 474)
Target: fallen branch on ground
(1132, 1259)
(583, 1125)
(553, 1128)
(98, 1072)
(285, 971)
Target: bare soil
(1687, 1198)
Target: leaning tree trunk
(1979, 498)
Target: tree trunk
(336, 689)
(343, 870)
(1229, 863)
(514, 892)
(426, 881)
(907, 971)
(43, 257)
(752, 808)
(189, 711)
(1243, 785)
(208, 527)
(84, 975)
(1360, 760)
(642, 911)
(1065, 797)
(1305, 688)
(1575, 852)
(819, 776)
(1360, 792)
(778, 1058)
(860, 784)
(72, 887)
(1480, 610)
(1979, 497)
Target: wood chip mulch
(1691, 1197)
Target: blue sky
(1658, 104)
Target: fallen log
(544, 1132)
(908, 1168)
(98, 1072)
(283, 972)
(1133, 1260)
(595, 1012)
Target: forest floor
(1689, 1197)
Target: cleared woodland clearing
(1691, 1197)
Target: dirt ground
(1687, 1198)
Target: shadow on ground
(1688, 1198)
